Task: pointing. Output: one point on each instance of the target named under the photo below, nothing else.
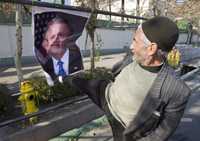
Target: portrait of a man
(55, 47)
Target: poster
(55, 34)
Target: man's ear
(152, 48)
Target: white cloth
(48, 78)
(65, 60)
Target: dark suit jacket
(75, 62)
(161, 110)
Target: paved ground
(97, 130)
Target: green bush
(63, 90)
(182, 25)
(47, 94)
(6, 105)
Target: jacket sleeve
(171, 116)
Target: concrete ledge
(75, 116)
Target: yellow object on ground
(29, 99)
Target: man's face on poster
(56, 39)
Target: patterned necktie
(61, 71)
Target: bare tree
(122, 11)
(109, 6)
(166, 7)
(156, 8)
(137, 9)
(18, 53)
(9, 8)
(188, 10)
(90, 27)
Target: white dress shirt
(65, 60)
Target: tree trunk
(137, 10)
(109, 4)
(154, 8)
(91, 33)
(86, 40)
(166, 7)
(122, 11)
(18, 53)
(198, 25)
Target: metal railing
(41, 112)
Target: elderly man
(65, 57)
(146, 101)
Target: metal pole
(6, 123)
(59, 6)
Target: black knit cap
(162, 31)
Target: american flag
(40, 25)
(41, 20)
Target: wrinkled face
(138, 47)
(56, 39)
